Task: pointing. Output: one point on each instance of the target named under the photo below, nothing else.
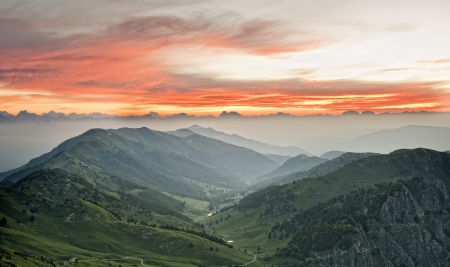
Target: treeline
(279, 199)
(201, 234)
(63, 186)
(6, 257)
(341, 220)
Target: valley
(128, 197)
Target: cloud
(400, 27)
(18, 34)
(132, 57)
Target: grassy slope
(300, 163)
(310, 191)
(102, 155)
(322, 169)
(223, 157)
(92, 231)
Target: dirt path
(95, 259)
(245, 264)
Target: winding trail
(250, 262)
(245, 264)
(142, 261)
(95, 259)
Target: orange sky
(121, 60)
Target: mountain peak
(5, 113)
(229, 114)
(195, 126)
(350, 112)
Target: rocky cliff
(406, 223)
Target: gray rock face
(410, 227)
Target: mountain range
(237, 140)
(325, 167)
(131, 196)
(300, 163)
(388, 140)
(168, 163)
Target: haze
(29, 135)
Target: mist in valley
(20, 141)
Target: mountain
(322, 169)
(231, 114)
(225, 158)
(5, 113)
(151, 158)
(52, 216)
(5, 119)
(181, 132)
(257, 146)
(100, 156)
(252, 219)
(395, 224)
(331, 154)
(300, 163)
(306, 192)
(277, 158)
(411, 136)
(25, 116)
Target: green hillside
(258, 146)
(99, 155)
(225, 158)
(252, 218)
(331, 154)
(322, 169)
(300, 163)
(58, 216)
(277, 158)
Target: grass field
(59, 236)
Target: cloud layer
(204, 57)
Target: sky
(204, 57)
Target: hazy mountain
(278, 158)
(181, 132)
(220, 156)
(25, 116)
(386, 141)
(322, 169)
(296, 164)
(231, 114)
(257, 146)
(331, 154)
(5, 119)
(321, 143)
(100, 156)
(151, 158)
(19, 143)
(5, 113)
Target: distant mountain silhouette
(278, 158)
(300, 163)
(249, 143)
(5, 119)
(225, 114)
(331, 154)
(411, 136)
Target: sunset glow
(203, 57)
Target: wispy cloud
(135, 55)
